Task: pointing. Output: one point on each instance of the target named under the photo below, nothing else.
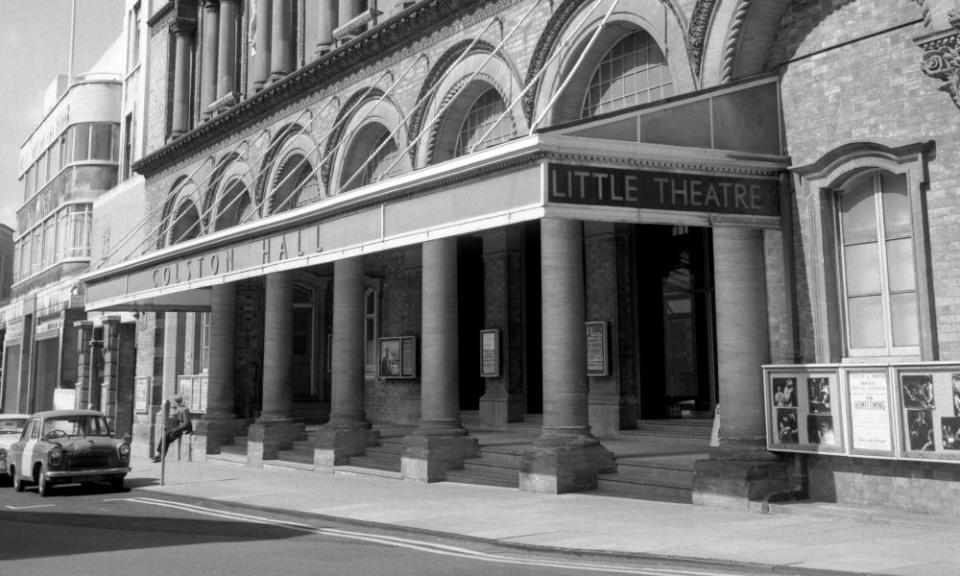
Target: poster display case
(804, 412)
(490, 353)
(398, 357)
(903, 411)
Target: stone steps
(385, 457)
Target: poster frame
(405, 348)
(939, 454)
(490, 367)
(892, 408)
(597, 327)
(801, 408)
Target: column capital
(183, 26)
(211, 4)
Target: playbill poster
(869, 411)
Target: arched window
(879, 278)
(485, 111)
(185, 224)
(374, 155)
(294, 183)
(233, 206)
(634, 71)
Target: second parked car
(67, 446)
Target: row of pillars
(566, 456)
(273, 54)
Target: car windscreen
(77, 425)
(12, 425)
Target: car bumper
(77, 475)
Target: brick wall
(913, 486)
(873, 89)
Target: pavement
(799, 538)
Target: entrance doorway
(675, 328)
(470, 306)
(304, 369)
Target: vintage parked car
(67, 446)
(11, 426)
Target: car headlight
(124, 450)
(55, 457)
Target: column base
(555, 465)
(210, 433)
(494, 411)
(427, 458)
(604, 410)
(266, 438)
(334, 447)
(736, 476)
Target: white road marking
(29, 507)
(430, 547)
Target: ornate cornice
(941, 57)
(413, 23)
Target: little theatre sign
(662, 190)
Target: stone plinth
(735, 477)
(266, 438)
(559, 465)
(210, 433)
(334, 447)
(427, 458)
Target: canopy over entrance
(710, 157)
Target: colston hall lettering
(662, 190)
(194, 268)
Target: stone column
(111, 357)
(275, 429)
(183, 37)
(503, 400)
(566, 457)
(740, 469)
(439, 443)
(220, 422)
(84, 357)
(348, 432)
(347, 11)
(281, 41)
(328, 16)
(208, 64)
(227, 53)
(261, 42)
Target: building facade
(65, 164)
(601, 212)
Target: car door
(32, 436)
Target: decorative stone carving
(697, 33)
(941, 58)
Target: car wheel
(43, 487)
(17, 480)
(116, 483)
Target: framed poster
(870, 411)
(141, 394)
(597, 349)
(398, 357)
(490, 353)
(929, 411)
(803, 412)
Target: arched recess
(234, 202)
(454, 97)
(570, 31)
(743, 33)
(292, 180)
(181, 217)
(372, 147)
(185, 224)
